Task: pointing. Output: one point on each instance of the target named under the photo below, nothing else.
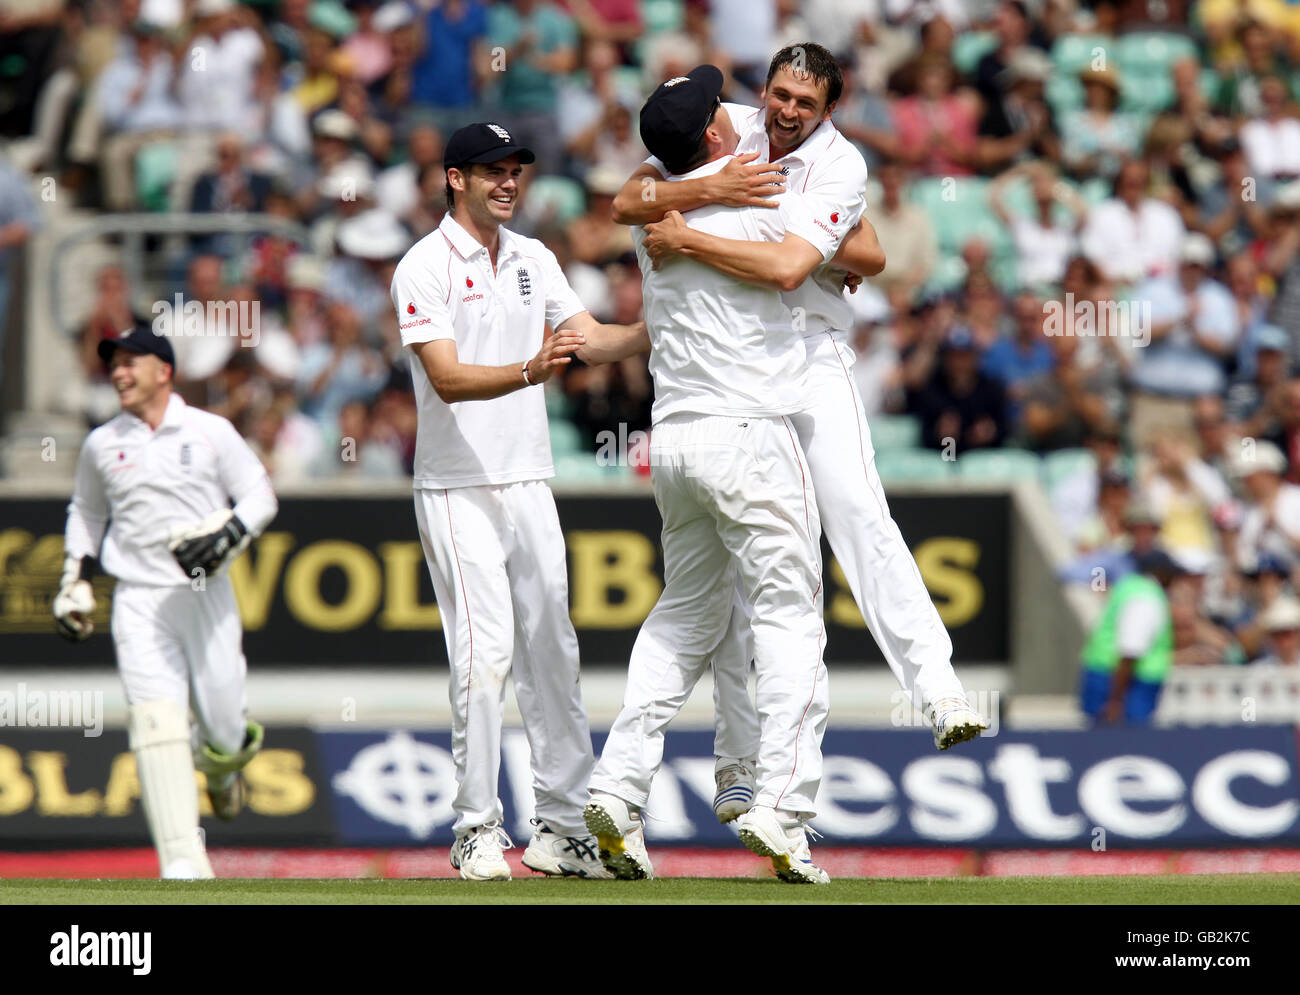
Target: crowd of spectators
(1090, 209)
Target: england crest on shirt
(525, 285)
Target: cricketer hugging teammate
(758, 442)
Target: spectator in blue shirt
(1014, 360)
(538, 45)
(443, 77)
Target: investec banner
(1111, 789)
(343, 580)
(1106, 789)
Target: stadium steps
(41, 448)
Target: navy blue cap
(483, 142)
(677, 114)
(138, 339)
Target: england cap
(675, 117)
(138, 339)
(483, 142)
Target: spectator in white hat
(369, 246)
(1271, 525)
(1281, 623)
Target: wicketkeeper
(153, 499)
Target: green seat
(1152, 53)
(892, 432)
(1065, 463)
(1094, 190)
(557, 403)
(949, 273)
(911, 466)
(1005, 271)
(968, 48)
(999, 465)
(556, 199)
(659, 16)
(155, 169)
(1072, 53)
(1146, 92)
(579, 468)
(565, 437)
(1064, 93)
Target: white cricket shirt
(445, 288)
(135, 484)
(719, 346)
(825, 195)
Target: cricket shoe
(620, 838)
(955, 722)
(478, 855)
(563, 856)
(761, 831)
(736, 781)
(228, 801)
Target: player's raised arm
(742, 182)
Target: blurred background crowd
(1091, 212)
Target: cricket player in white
(153, 501)
(736, 500)
(819, 198)
(473, 300)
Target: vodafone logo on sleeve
(835, 217)
(410, 309)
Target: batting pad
(159, 734)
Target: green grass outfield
(1182, 889)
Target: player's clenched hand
(665, 238)
(742, 182)
(556, 351)
(852, 282)
(73, 606)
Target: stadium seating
(971, 46)
(1066, 463)
(893, 432)
(999, 465)
(912, 466)
(565, 437)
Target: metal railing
(1242, 695)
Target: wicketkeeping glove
(74, 603)
(210, 545)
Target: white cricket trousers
(497, 559)
(178, 644)
(880, 569)
(736, 500)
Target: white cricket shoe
(478, 855)
(620, 837)
(563, 856)
(761, 831)
(955, 722)
(736, 781)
